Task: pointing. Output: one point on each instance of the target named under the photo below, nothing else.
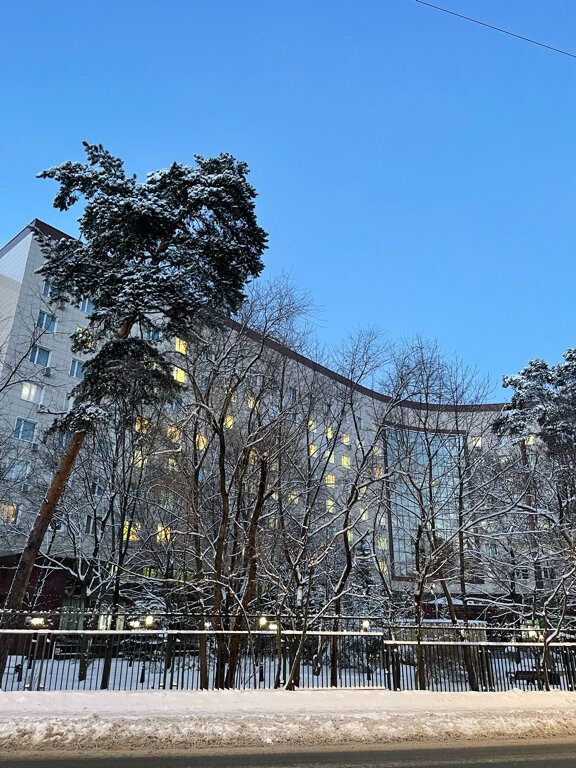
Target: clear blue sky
(415, 171)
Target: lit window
(382, 565)
(377, 472)
(252, 457)
(139, 459)
(46, 322)
(163, 535)
(130, 532)
(201, 442)
(345, 438)
(363, 513)
(329, 505)
(251, 402)
(294, 496)
(31, 392)
(87, 306)
(181, 346)
(330, 456)
(229, 420)
(8, 512)
(24, 430)
(76, 369)
(312, 449)
(39, 356)
(142, 424)
(377, 450)
(476, 441)
(382, 542)
(330, 481)
(346, 461)
(350, 535)
(173, 433)
(171, 464)
(329, 433)
(86, 336)
(529, 440)
(312, 425)
(179, 374)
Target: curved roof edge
(57, 234)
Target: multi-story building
(269, 456)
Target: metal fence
(194, 660)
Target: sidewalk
(152, 722)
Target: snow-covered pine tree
(158, 258)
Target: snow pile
(153, 721)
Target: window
(329, 505)
(142, 424)
(476, 441)
(40, 356)
(181, 346)
(152, 334)
(87, 306)
(252, 457)
(345, 438)
(130, 532)
(76, 369)
(47, 289)
(46, 322)
(292, 394)
(138, 459)
(163, 535)
(24, 430)
(251, 402)
(8, 512)
(377, 450)
(330, 481)
(350, 535)
(18, 471)
(359, 421)
(176, 405)
(229, 421)
(363, 513)
(312, 449)
(346, 461)
(381, 542)
(92, 523)
(329, 433)
(32, 393)
(173, 433)
(312, 425)
(294, 496)
(330, 456)
(201, 442)
(85, 336)
(179, 374)
(529, 440)
(99, 486)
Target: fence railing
(195, 660)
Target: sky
(415, 171)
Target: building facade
(274, 483)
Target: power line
(498, 29)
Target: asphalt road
(552, 754)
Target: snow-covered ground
(157, 721)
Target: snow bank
(156, 721)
